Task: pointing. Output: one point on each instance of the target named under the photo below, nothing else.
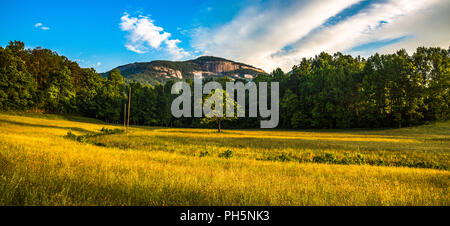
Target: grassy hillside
(57, 160)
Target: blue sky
(266, 34)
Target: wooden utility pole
(124, 115)
(129, 103)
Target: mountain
(205, 66)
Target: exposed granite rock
(207, 66)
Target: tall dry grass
(157, 166)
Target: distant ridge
(205, 66)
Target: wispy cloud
(40, 25)
(368, 26)
(143, 35)
(279, 35)
(88, 63)
(135, 49)
(428, 27)
(260, 31)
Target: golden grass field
(40, 165)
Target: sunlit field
(57, 160)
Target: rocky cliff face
(219, 66)
(161, 71)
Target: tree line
(326, 91)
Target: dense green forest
(327, 91)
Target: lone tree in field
(214, 106)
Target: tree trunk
(218, 129)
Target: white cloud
(135, 48)
(88, 63)
(365, 27)
(259, 34)
(430, 27)
(144, 34)
(262, 30)
(174, 49)
(96, 64)
(40, 25)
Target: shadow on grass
(269, 143)
(44, 126)
(49, 116)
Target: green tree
(433, 67)
(89, 87)
(60, 94)
(288, 107)
(217, 110)
(111, 96)
(16, 83)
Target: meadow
(65, 160)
